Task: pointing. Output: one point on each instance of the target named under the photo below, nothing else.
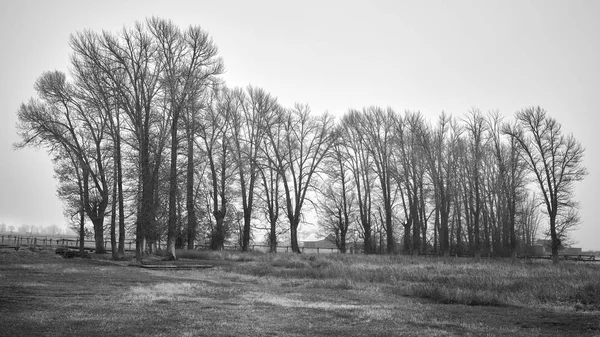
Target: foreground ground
(42, 294)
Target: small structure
(315, 244)
(544, 247)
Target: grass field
(42, 294)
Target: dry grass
(296, 295)
(450, 280)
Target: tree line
(146, 137)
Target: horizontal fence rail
(12, 241)
(287, 249)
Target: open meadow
(255, 294)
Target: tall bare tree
(475, 127)
(338, 197)
(216, 133)
(189, 65)
(360, 163)
(249, 125)
(129, 62)
(378, 128)
(64, 121)
(511, 177)
(556, 161)
(299, 144)
(270, 175)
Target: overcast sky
(423, 56)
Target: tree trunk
(191, 211)
(343, 232)
(512, 233)
(294, 234)
(407, 246)
(458, 229)
(391, 242)
(147, 200)
(554, 237)
(113, 220)
(273, 234)
(367, 240)
(99, 234)
(81, 232)
(246, 229)
(121, 202)
(218, 236)
(172, 226)
(416, 227)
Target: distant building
(314, 244)
(544, 247)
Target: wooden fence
(287, 249)
(16, 241)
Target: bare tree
(511, 178)
(475, 127)
(94, 88)
(299, 143)
(378, 131)
(189, 66)
(338, 196)
(64, 121)
(249, 131)
(556, 161)
(215, 131)
(439, 146)
(129, 63)
(360, 163)
(270, 174)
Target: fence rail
(16, 240)
(287, 249)
(570, 257)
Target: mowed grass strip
(289, 295)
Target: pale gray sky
(334, 55)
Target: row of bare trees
(460, 185)
(144, 134)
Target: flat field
(43, 294)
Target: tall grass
(445, 280)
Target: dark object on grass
(172, 266)
(67, 252)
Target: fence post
(34, 242)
